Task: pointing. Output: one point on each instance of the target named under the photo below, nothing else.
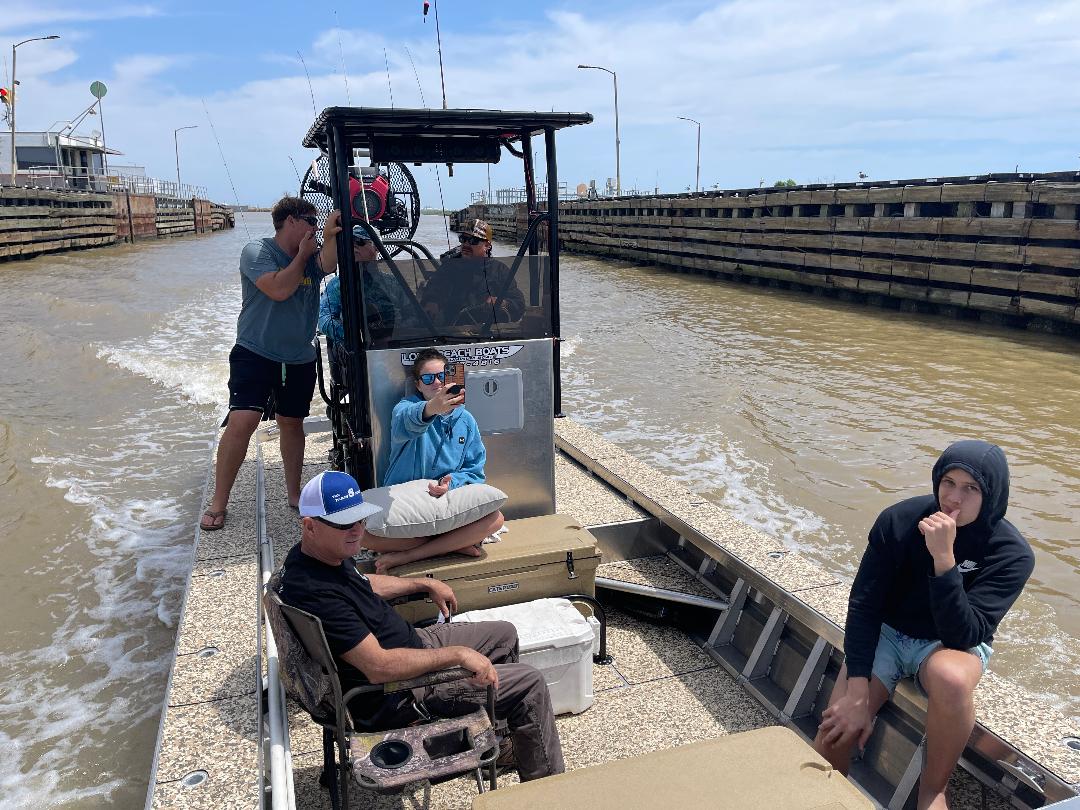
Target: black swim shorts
(253, 378)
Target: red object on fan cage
(374, 195)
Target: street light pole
(697, 175)
(615, 82)
(14, 94)
(176, 148)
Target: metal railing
(508, 196)
(84, 179)
(159, 188)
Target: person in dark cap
(939, 573)
(468, 287)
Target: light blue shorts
(899, 656)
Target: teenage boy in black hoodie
(939, 572)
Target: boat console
(507, 345)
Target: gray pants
(521, 700)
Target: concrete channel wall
(1003, 248)
(35, 221)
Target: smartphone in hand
(455, 378)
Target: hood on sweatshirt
(985, 463)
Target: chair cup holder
(390, 754)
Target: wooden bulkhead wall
(1008, 250)
(35, 221)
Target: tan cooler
(536, 557)
(765, 768)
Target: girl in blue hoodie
(433, 437)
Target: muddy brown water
(803, 416)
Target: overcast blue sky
(812, 91)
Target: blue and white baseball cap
(335, 496)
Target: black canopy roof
(359, 124)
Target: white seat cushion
(410, 511)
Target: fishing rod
(225, 163)
(419, 86)
(341, 56)
(389, 86)
(311, 90)
(438, 178)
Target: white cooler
(556, 639)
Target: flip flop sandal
(213, 526)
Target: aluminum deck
(663, 689)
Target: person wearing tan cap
(468, 287)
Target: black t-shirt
(349, 609)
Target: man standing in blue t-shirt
(274, 354)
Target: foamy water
(116, 363)
(115, 372)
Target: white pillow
(410, 511)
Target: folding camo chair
(379, 759)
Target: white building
(54, 160)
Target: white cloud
(809, 91)
(19, 15)
(141, 67)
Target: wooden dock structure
(1004, 248)
(34, 221)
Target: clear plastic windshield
(456, 300)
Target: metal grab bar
(602, 656)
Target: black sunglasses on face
(428, 379)
(466, 239)
(340, 526)
(310, 220)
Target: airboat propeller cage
(512, 368)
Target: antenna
(314, 109)
(438, 38)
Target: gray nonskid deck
(659, 571)
(210, 723)
(661, 691)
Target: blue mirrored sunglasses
(428, 379)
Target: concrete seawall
(35, 221)
(1005, 249)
